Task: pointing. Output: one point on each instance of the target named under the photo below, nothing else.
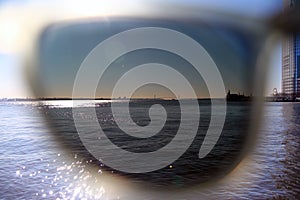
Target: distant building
(237, 97)
(291, 59)
(275, 92)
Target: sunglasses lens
(167, 102)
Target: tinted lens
(168, 102)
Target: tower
(291, 59)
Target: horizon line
(98, 98)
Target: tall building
(291, 59)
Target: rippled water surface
(34, 165)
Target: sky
(65, 46)
(14, 17)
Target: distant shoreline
(105, 99)
(267, 99)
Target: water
(35, 163)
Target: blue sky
(65, 46)
(13, 83)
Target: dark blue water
(35, 165)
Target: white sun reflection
(67, 179)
